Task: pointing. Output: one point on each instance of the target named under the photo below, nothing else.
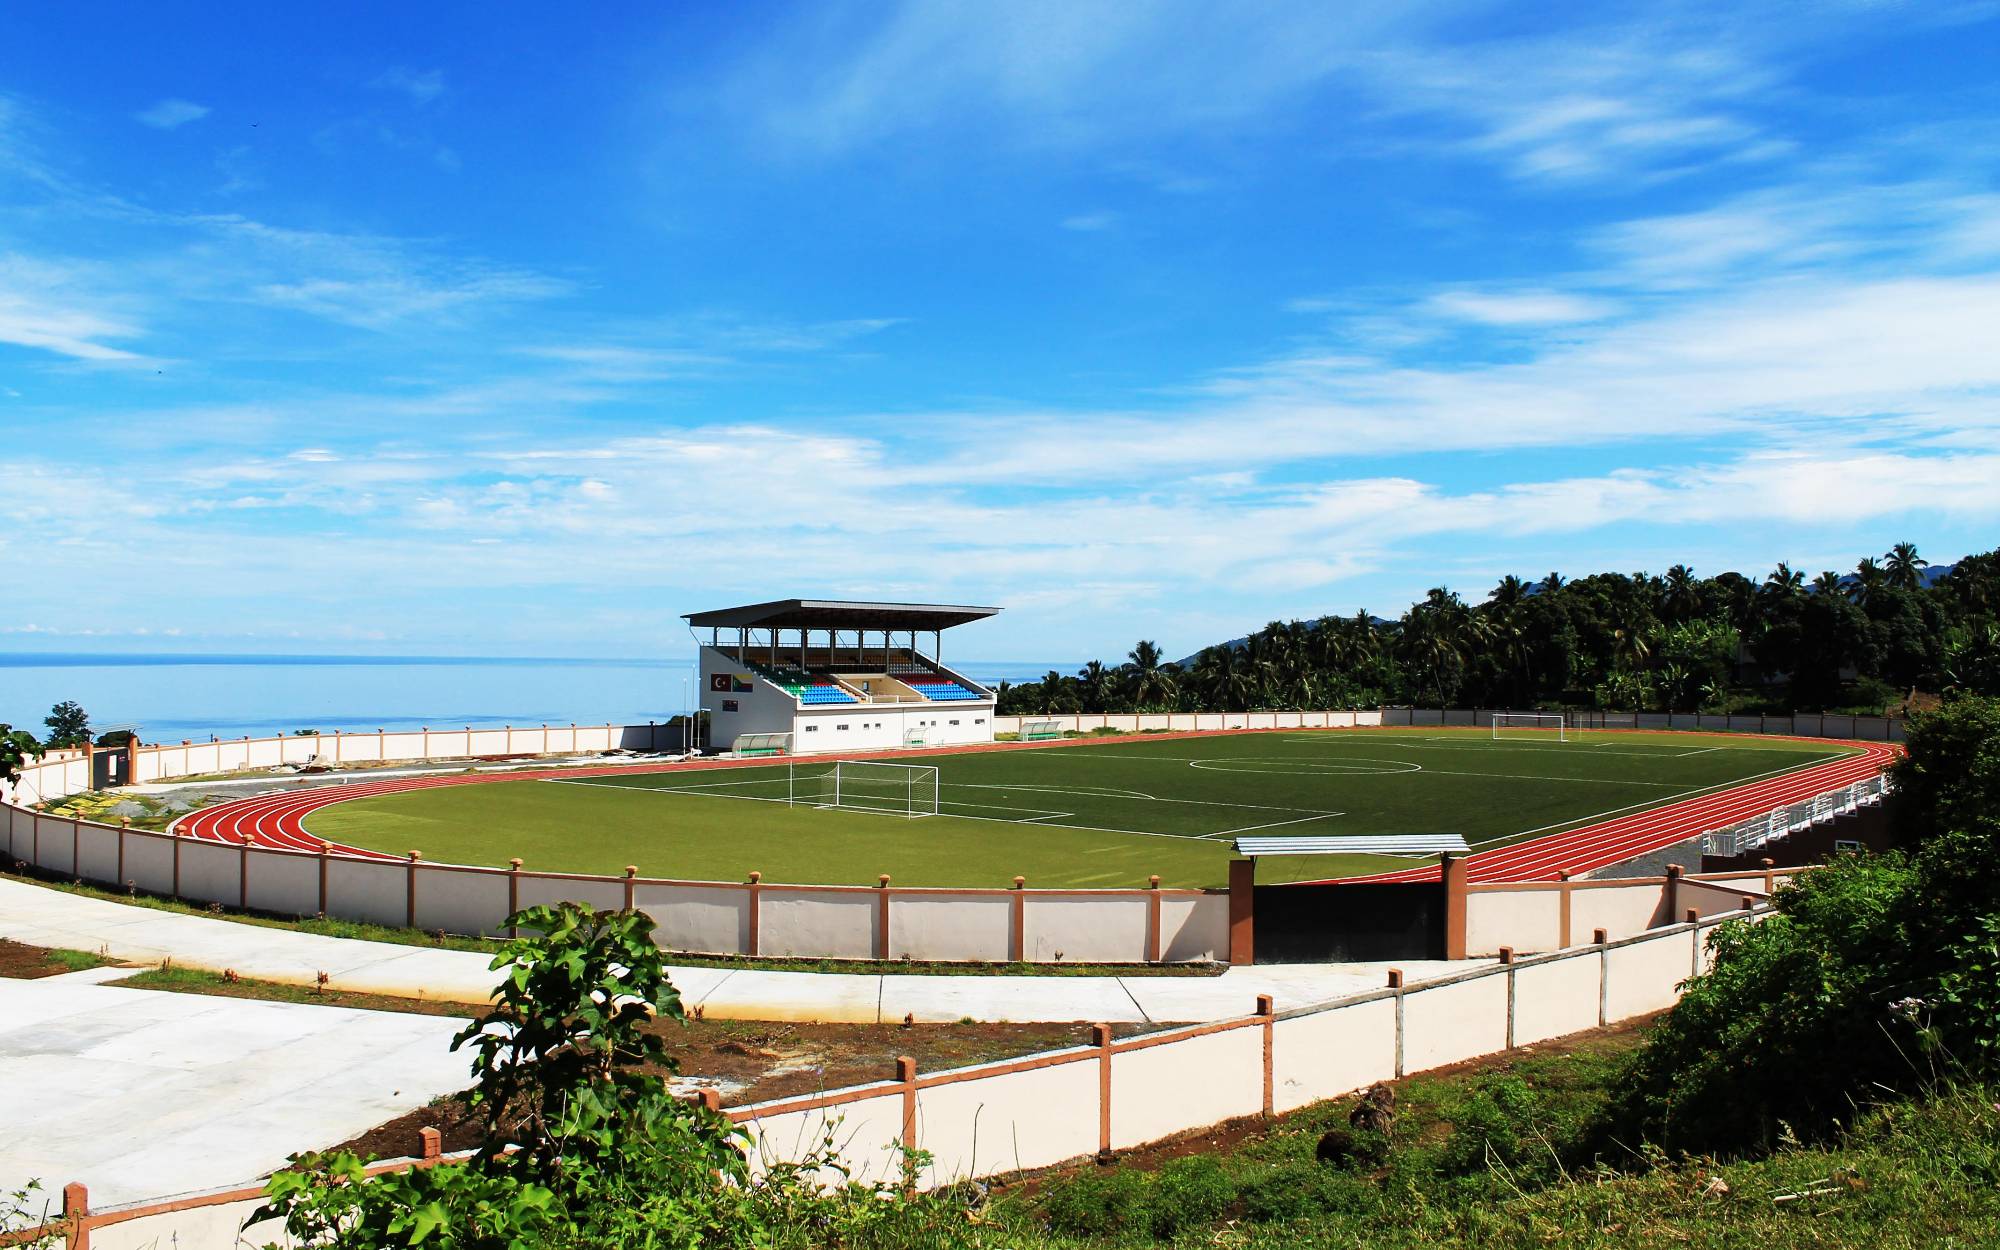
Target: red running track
(278, 820)
(1613, 841)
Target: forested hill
(1865, 640)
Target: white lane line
(1276, 824)
(1661, 802)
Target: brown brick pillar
(1457, 874)
(1242, 911)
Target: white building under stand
(836, 675)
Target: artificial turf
(1091, 814)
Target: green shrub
(1301, 1190)
(1097, 1204)
(1188, 1193)
(1880, 974)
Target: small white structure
(838, 675)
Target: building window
(979, 720)
(812, 729)
(843, 728)
(954, 722)
(729, 705)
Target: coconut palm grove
(1876, 638)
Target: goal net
(865, 786)
(1530, 726)
(762, 744)
(1040, 730)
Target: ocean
(166, 698)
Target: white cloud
(422, 87)
(47, 307)
(172, 113)
(1519, 308)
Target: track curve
(278, 820)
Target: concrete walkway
(143, 1095)
(143, 935)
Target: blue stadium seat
(942, 691)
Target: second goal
(1530, 726)
(865, 786)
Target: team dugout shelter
(812, 676)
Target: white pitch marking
(1225, 833)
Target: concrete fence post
(1396, 984)
(430, 1145)
(1673, 892)
(1153, 919)
(1017, 937)
(882, 917)
(243, 875)
(631, 887)
(178, 836)
(1268, 1011)
(1563, 909)
(124, 827)
(906, 1074)
(756, 913)
(76, 1216)
(1770, 877)
(1602, 940)
(1507, 962)
(410, 891)
(324, 853)
(513, 894)
(1100, 1037)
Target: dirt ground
(748, 1061)
(22, 962)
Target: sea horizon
(170, 696)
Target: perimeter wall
(1111, 1095)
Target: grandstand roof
(840, 614)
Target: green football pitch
(1099, 813)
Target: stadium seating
(942, 691)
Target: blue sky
(463, 329)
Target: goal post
(1531, 726)
(762, 744)
(1040, 730)
(917, 736)
(865, 786)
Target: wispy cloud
(43, 306)
(1090, 222)
(172, 113)
(421, 86)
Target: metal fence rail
(1782, 822)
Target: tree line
(1865, 641)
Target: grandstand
(838, 675)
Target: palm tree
(1552, 583)
(1680, 595)
(1151, 682)
(1868, 579)
(1784, 581)
(1508, 594)
(1096, 682)
(1904, 567)
(1827, 583)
